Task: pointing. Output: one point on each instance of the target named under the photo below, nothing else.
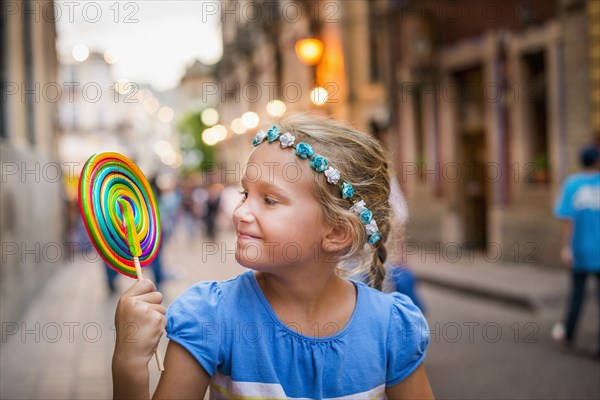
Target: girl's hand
(139, 322)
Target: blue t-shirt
(233, 332)
(579, 200)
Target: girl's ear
(338, 238)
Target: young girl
(315, 196)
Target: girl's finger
(140, 287)
(158, 308)
(152, 297)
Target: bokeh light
(81, 52)
(151, 105)
(250, 119)
(111, 55)
(210, 116)
(309, 51)
(220, 132)
(276, 108)
(210, 137)
(319, 96)
(237, 126)
(166, 114)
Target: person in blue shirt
(315, 195)
(578, 206)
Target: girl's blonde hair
(362, 162)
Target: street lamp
(309, 50)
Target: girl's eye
(270, 201)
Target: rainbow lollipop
(120, 214)
(110, 183)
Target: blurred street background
(483, 107)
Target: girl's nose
(243, 213)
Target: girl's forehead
(270, 163)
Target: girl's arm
(183, 377)
(416, 386)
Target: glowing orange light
(309, 51)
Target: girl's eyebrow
(267, 184)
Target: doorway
(472, 156)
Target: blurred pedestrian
(578, 206)
(190, 198)
(211, 209)
(403, 280)
(111, 276)
(85, 244)
(399, 276)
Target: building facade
(260, 65)
(491, 102)
(31, 193)
(483, 106)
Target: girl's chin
(248, 263)
(255, 265)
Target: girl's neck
(304, 291)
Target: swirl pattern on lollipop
(106, 180)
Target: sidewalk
(531, 286)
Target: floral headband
(320, 164)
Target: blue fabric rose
(304, 150)
(319, 163)
(374, 238)
(273, 134)
(366, 216)
(347, 190)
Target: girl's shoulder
(382, 301)
(210, 297)
(200, 318)
(395, 310)
(393, 322)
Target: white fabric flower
(260, 136)
(333, 175)
(358, 207)
(371, 227)
(287, 139)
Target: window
(376, 42)
(29, 68)
(535, 116)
